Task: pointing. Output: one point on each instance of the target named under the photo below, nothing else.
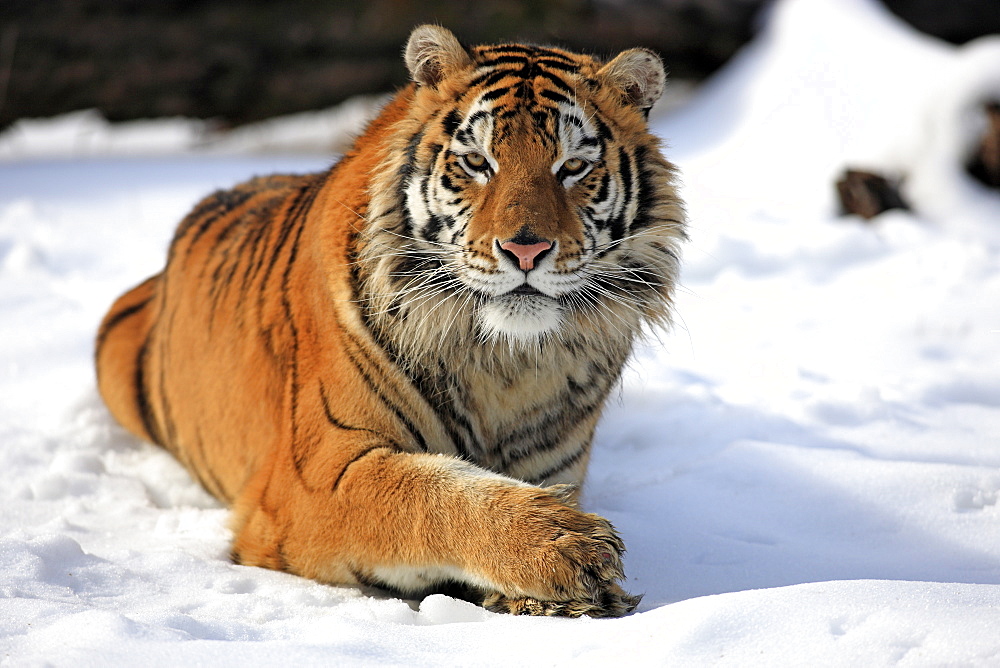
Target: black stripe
(253, 249)
(476, 117)
(408, 225)
(451, 121)
(450, 186)
(604, 189)
(364, 453)
(537, 51)
(442, 385)
(167, 428)
(555, 97)
(617, 227)
(236, 222)
(563, 464)
(547, 432)
(666, 250)
(490, 78)
(625, 169)
(300, 453)
(456, 236)
(556, 81)
(279, 552)
(332, 419)
(565, 66)
(225, 202)
(206, 476)
(603, 131)
(284, 234)
(117, 319)
(646, 196)
(330, 416)
(410, 427)
(618, 224)
(433, 227)
(409, 164)
(203, 208)
(638, 278)
(494, 94)
(506, 59)
(250, 237)
(525, 74)
(142, 395)
(435, 151)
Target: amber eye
(476, 162)
(572, 167)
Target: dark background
(237, 62)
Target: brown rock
(985, 163)
(868, 194)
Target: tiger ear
(432, 53)
(638, 74)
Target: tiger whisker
(585, 306)
(653, 231)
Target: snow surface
(806, 470)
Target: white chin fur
(522, 318)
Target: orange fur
(311, 354)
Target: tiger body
(389, 369)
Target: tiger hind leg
(121, 344)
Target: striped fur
(362, 362)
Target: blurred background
(236, 62)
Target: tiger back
(392, 370)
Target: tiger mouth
(525, 290)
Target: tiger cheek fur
(392, 371)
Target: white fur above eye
(520, 318)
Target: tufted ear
(638, 74)
(433, 52)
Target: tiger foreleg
(414, 522)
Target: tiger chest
(532, 421)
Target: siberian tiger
(392, 370)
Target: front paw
(557, 560)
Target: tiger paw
(558, 561)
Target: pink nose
(526, 253)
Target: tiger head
(523, 197)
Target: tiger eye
(573, 166)
(475, 161)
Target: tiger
(391, 371)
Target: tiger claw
(612, 601)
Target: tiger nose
(526, 254)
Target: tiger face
(538, 203)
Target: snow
(87, 133)
(806, 471)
